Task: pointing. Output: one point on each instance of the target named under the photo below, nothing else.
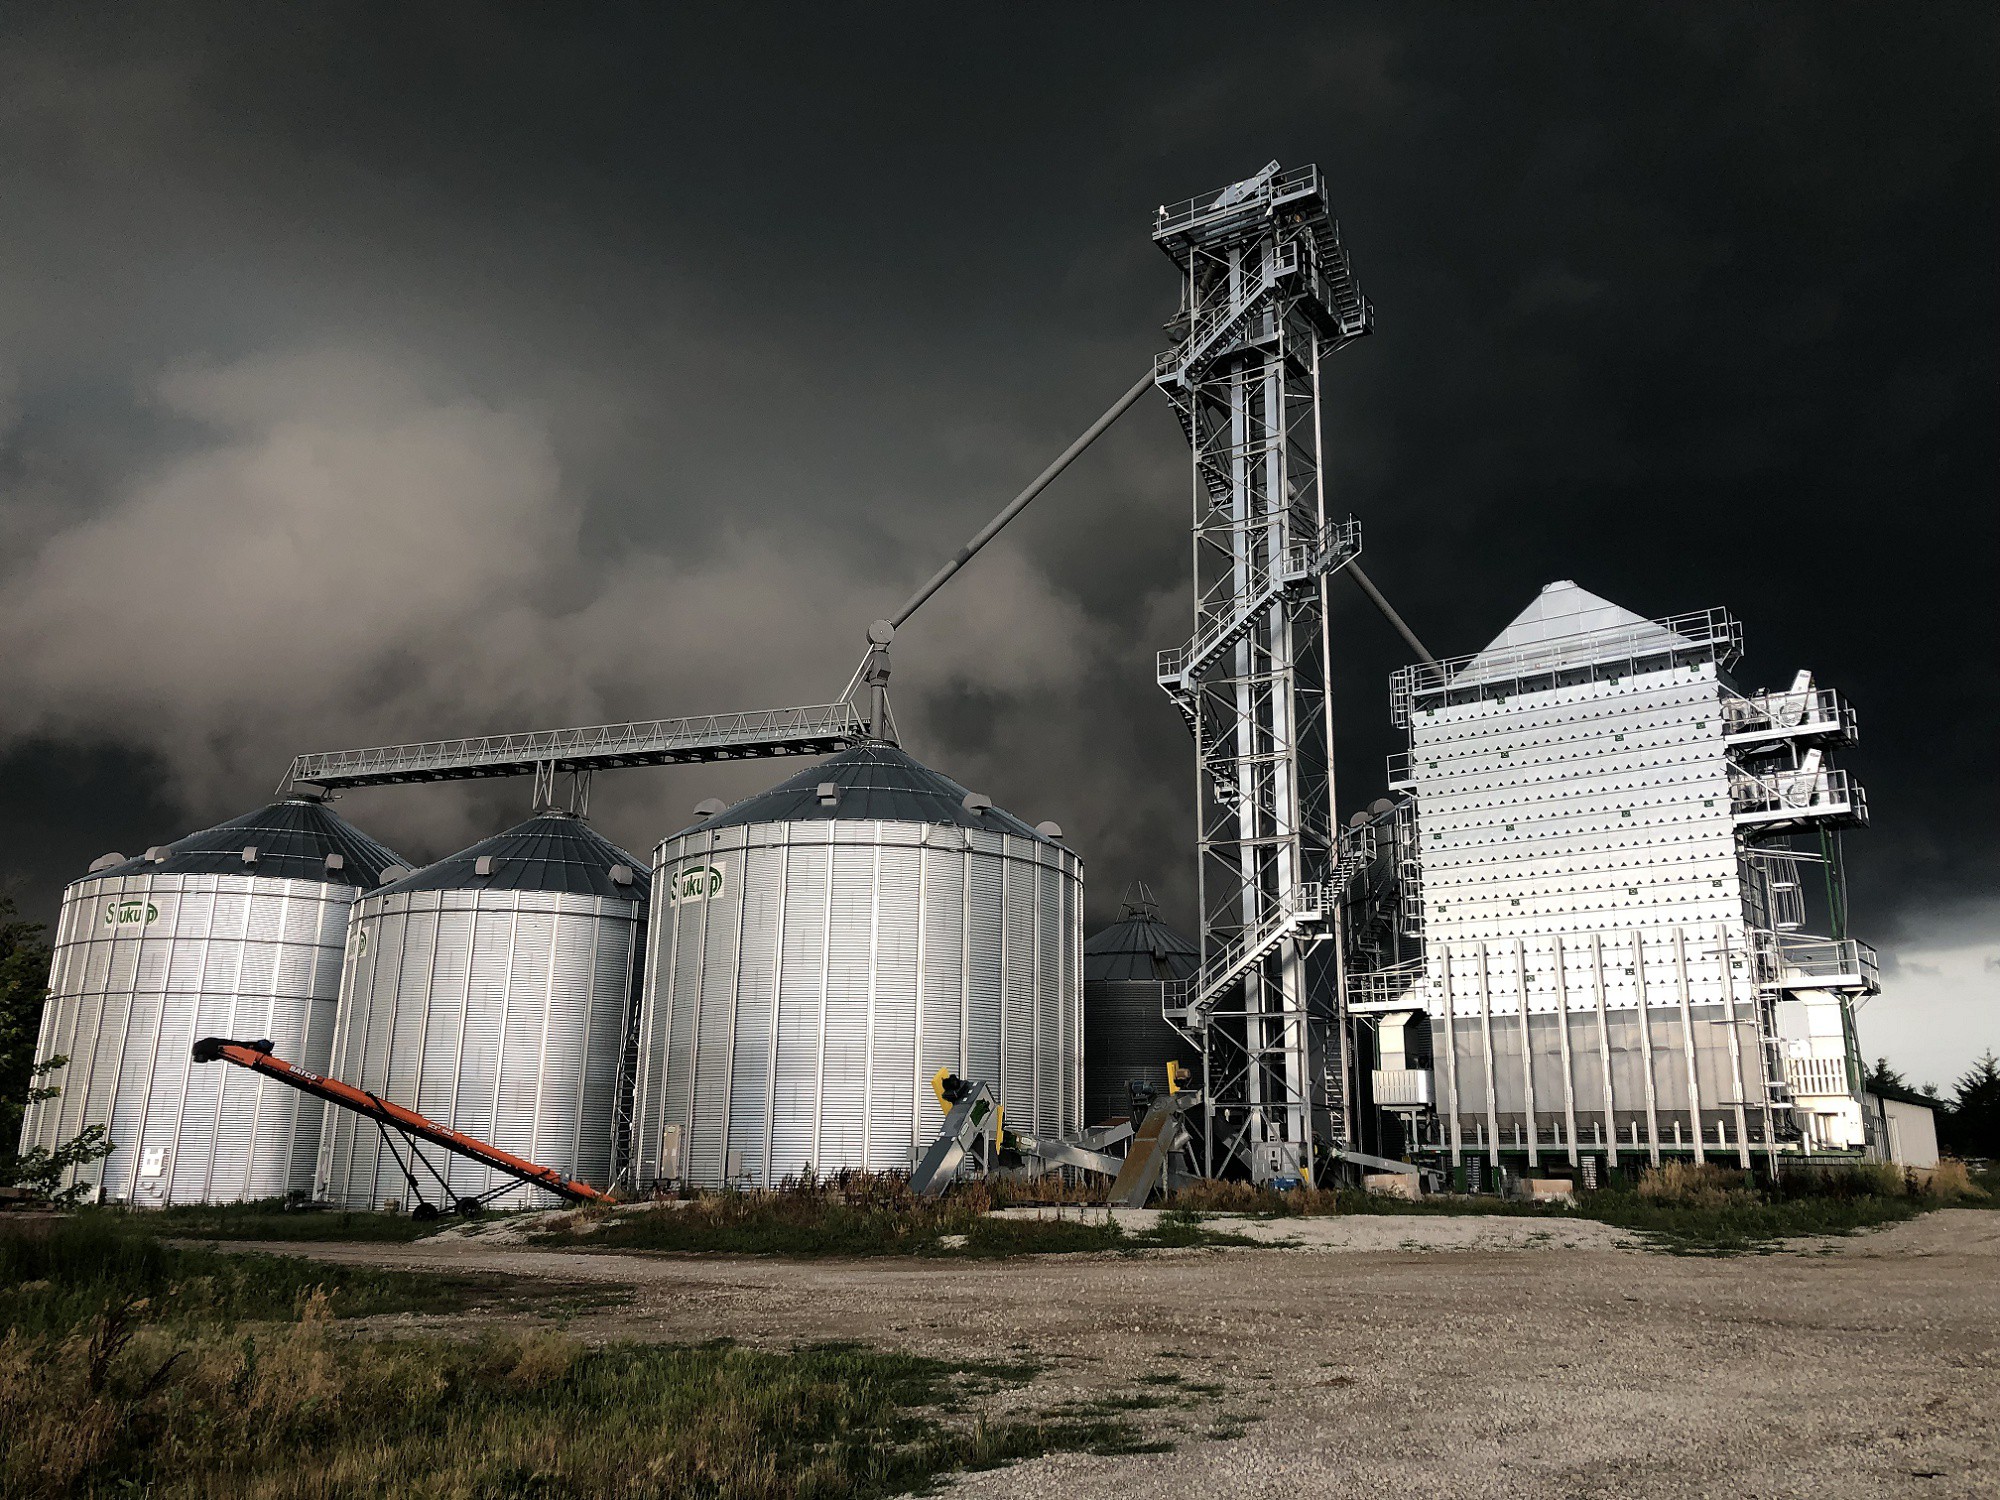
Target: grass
(1713, 1210)
(862, 1215)
(805, 1221)
(307, 1412)
(128, 1364)
(59, 1274)
(1218, 1196)
(1677, 1207)
(1001, 1238)
(269, 1219)
(1752, 1223)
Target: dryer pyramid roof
(1567, 625)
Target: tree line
(1968, 1120)
(24, 986)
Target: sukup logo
(695, 883)
(130, 913)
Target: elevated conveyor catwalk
(819, 729)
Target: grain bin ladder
(257, 1057)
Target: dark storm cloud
(369, 375)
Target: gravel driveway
(1439, 1357)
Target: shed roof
(552, 851)
(292, 839)
(1899, 1095)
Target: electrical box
(1276, 1164)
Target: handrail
(1798, 790)
(1191, 212)
(1385, 986)
(1787, 959)
(1331, 546)
(1307, 903)
(1807, 711)
(1712, 629)
(1356, 850)
(1216, 323)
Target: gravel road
(1441, 1357)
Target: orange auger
(256, 1056)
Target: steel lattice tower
(1267, 295)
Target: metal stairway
(1331, 297)
(1329, 284)
(1357, 853)
(1189, 1000)
(1218, 328)
(1300, 564)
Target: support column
(1486, 1037)
(1527, 1055)
(1456, 1128)
(1562, 1038)
(1604, 1041)
(1687, 1044)
(1646, 1049)
(1735, 1045)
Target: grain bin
(233, 931)
(820, 950)
(1126, 1038)
(492, 992)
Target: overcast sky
(380, 373)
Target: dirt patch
(1363, 1233)
(1398, 1356)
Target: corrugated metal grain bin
(1126, 1039)
(819, 951)
(235, 931)
(493, 992)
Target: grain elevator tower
(1266, 296)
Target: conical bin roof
(872, 781)
(1565, 625)
(552, 851)
(1139, 946)
(292, 839)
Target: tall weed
(1682, 1184)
